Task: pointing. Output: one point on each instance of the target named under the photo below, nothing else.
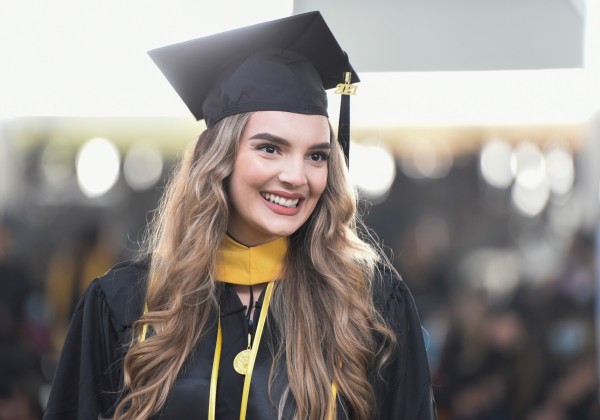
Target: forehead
(290, 126)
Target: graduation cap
(280, 65)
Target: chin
(283, 230)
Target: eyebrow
(283, 142)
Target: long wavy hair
(325, 301)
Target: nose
(292, 172)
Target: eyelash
(263, 148)
(321, 156)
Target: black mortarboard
(281, 65)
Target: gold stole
(239, 264)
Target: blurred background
(476, 149)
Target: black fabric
(269, 80)
(89, 375)
(196, 68)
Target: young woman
(255, 296)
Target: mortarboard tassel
(345, 90)
(344, 128)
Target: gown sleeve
(403, 386)
(88, 380)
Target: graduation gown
(89, 378)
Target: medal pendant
(240, 363)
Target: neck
(251, 243)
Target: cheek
(245, 175)
(319, 183)
(238, 188)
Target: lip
(286, 195)
(284, 211)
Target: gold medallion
(240, 363)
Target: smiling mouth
(290, 203)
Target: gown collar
(239, 264)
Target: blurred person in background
(562, 315)
(488, 368)
(20, 377)
(70, 272)
(255, 296)
(532, 357)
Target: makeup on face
(279, 175)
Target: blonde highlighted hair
(324, 302)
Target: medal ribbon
(254, 351)
(212, 398)
(259, 329)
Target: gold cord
(259, 330)
(212, 400)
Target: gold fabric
(239, 264)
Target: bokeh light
(372, 169)
(142, 166)
(531, 190)
(528, 199)
(427, 159)
(560, 168)
(494, 163)
(97, 165)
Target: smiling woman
(254, 296)
(279, 175)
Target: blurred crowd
(529, 354)
(25, 340)
(533, 357)
(35, 308)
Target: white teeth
(280, 200)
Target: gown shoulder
(88, 379)
(122, 289)
(402, 385)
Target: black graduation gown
(88, 380)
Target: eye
(318, 156)
(268, 148)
